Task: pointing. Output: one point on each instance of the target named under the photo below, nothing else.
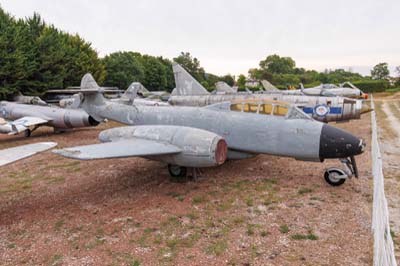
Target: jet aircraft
(195, 137)
(189, 92)
(329, 90)
(27, 118)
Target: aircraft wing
(131, 147)
(23, 123)
(17, 153)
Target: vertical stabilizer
(93, 95)
(185, 83)
(268, 86)
(222, 87)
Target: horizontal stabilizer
(17, 153)
(124, 148)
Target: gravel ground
(261, 211)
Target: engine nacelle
(200, 148)
(58, 117)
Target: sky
(232, 36)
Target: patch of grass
(192, 215)
(266, 184)
(304, 190)
(176, 195)
(250, 229)
(249, 202)
(198, 199)
(58, 225)
(56, 259)
(284, 229)
(310, 236)
(217, 248)
(11, 245)
(238, 220)
(317, 199)
(264, 233)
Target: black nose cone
(337, 143)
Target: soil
(388, 118)
(261, 211)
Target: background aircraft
(189, 92)
(27, 118)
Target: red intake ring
(221, 152)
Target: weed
(304, 190)
(284, 229)
(217, 248)
(198, 199)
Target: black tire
(27, 133)
(178, 173)
(334, 181)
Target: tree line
(36, 56)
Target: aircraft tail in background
(185, 83)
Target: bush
(372, 85)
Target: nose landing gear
(335, 176)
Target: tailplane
(185, 83)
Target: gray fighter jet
(329, 90)
(189, 92)
(27, 118)
(197, 137)
(20, 98)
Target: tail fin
(93, 96)
(268, 86)
(185, 83)
(133, 90)
(223, 87)
(301, 86)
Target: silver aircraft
(27, 118)
(35, 100)
(133, 94)
(189, 92)
(329, 90)
(195, 137)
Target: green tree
(155, 77)
(241, 82)
(380, 71)
(278, 65)
(229, 79)
(122, 69)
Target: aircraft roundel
(321, 110)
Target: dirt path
(388, 118)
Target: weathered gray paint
(56, 117)
(245, 132)
(17, 153)
(189, 92)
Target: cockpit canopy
(274, 108)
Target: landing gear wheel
(177, 172)
(332, 177)
(27, 133)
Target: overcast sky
(231, 36)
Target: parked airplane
(204, 137)
(27, 118)
(329, 90)
(189, 92)
(130, 96)
(13, 154)
(20, 98)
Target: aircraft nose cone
(337, 143)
